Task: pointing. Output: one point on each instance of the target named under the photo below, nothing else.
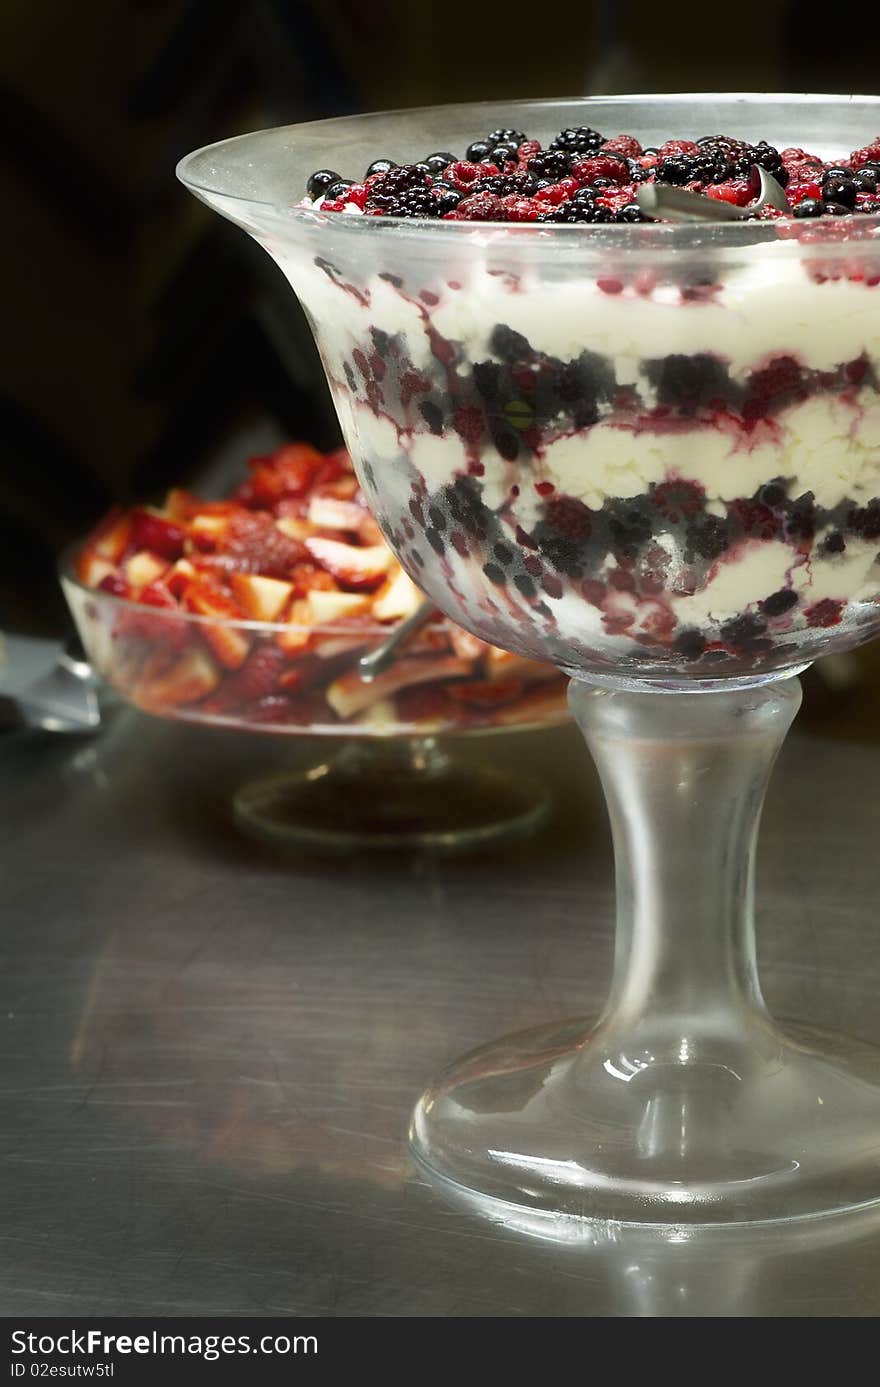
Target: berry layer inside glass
(639, 450)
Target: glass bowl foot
(391, 795)
(557, 1126)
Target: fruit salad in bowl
(253, 611)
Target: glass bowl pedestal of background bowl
(385, 781)
(691, 517)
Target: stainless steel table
(211, 1049)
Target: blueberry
(839, 188)
(478, 151)
(447, 198)
(834, 543)
(837, 209)
(494, 574)
(320, 181)
(438, 162)
(864, 182)
(503, 154)
(380, 166)
(809, 207)
(339, 188)
(508, 344)
(743, 630)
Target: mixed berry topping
(582, 176)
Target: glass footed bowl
(651, 454)
(393, 783)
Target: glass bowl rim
(646, 235)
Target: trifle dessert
(254, 609)
(612, 453)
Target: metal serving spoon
(372, 665)
(678, 204)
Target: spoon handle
(378, 660)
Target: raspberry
(569, 517)
(518, 209)
(738, 192)
(600, 166)
(670, 148)
(869, 154)
(678, 500)
(463, 174)
(625, 145)
(480, 207)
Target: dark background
(148, 340)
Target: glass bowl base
(391, 796)
(559, 1127)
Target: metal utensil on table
(46, 685)
(670, 203)
(378, 660)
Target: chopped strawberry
(486, 693)
(192, 676)
(112, 537)
(289, 471)
(116, 585)
(351, 566)
(228, 642)
(308, 577)
(259, 546)
(150, 530)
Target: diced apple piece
(542, 703)
(399, 598)
(329, 607)
(501, 664)
(208, 531)
(350, 693)
(328, 647)
(298, 635)
(144, 568)
(465, 645)
(329, 513)
(294, 527)
(191, 677)
(264, 599)
(382, 714)
(354, 567)
(91, 569)
(112, 536)
(229, 644)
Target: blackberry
(380, 166)
(522, 184)
(722, 148)
(487, 379)
(690, 643)
(773, 494)
(525, 584)
(833, 543)
(506, 135)
(578, 211)
(743, 630)
(865, 522)
(839, 188)
(778, 603)
(495, 574)
(864, 181)
(809, 207)
(509, 345)
(630, 527)
(766, 157)
(506, 443)
(688, 381)
(550, 163)
(465, 505)
(435, 539)
(432, 415)
(577, 139)
(403, 192)
(320, 181)
(709, 537)
(438, 162)
(800, 522)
